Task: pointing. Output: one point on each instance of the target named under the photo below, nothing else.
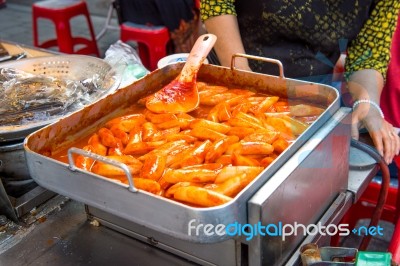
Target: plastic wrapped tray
(69, 67)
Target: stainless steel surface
(71, 67)
(142, 207)
(235, 251)
(332, 216)
(31, 199)
(278, 198)
(302, 190)
(363, 169)
(359, 160)
(12, 161)
(64, 236)
(94, 156)
(263, 59)
(213, 253)
(203, 254)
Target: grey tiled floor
(16, 26)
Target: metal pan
(138, 206)
(71, 67)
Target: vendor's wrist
(365, 104)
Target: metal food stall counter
(67, 237)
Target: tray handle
(264, 59)
(97, 157)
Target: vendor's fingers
(388, 148)
(376, 128)
(381, 132)
(384, 140)
(354, 129)
(396, 136)
(396, 141)
(392, 143)
(393, 138)
(381, 141)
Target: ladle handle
(198, 54)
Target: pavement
(16, 24)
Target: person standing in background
(308, 36)
(181, 17)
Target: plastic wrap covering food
(126, 61)
(26, 98)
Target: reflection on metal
(302, 190)
(12, 161)
(329, 256)
(310, 254)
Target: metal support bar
(107, 24)
(31, 199)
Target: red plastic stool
(152, 41)
(61, 12)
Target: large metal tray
(155, 212)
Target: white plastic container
(174, 58)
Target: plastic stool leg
(158, 53)
(35, 29)
(144, 54)
(65, 44)
(64, 40)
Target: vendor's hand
(382, 133)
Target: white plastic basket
(73, 67)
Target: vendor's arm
(367, 84)
(367, 62)
(220, 19)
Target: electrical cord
(371, 151)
